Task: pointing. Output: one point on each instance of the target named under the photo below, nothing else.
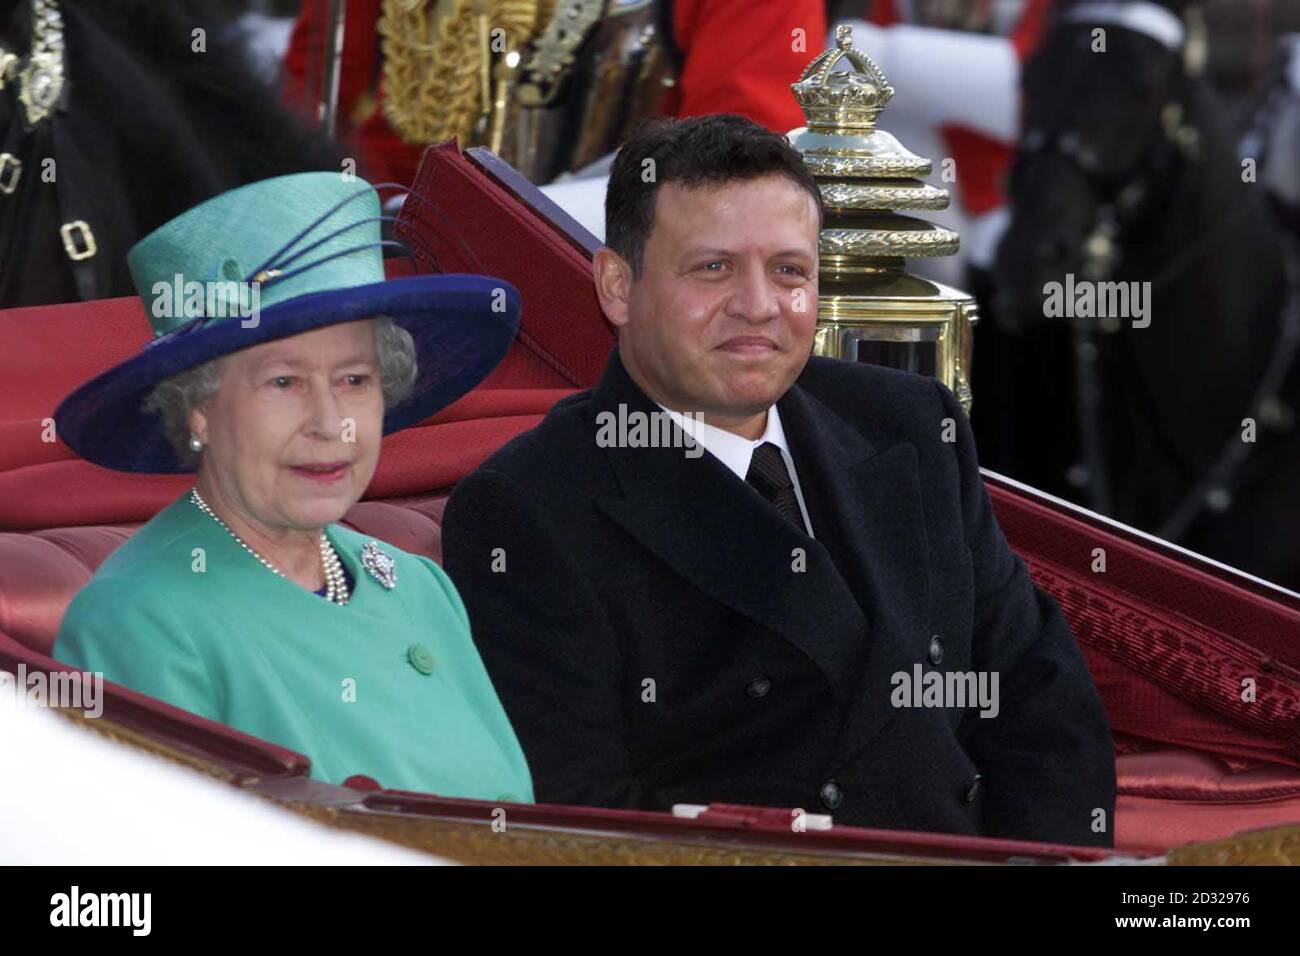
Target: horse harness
(40, 78)
(1115, 208)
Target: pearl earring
(196, 446)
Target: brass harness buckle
(11, 169)
(70, 231)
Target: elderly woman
(244, 601)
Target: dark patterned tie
(768, 475)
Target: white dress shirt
(735, 452)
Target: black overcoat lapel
(714, 530)
(868, 498)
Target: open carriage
(1198, 665)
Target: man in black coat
(731, 573)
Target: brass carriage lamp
(871, 309)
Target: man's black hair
(699, 151)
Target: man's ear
(613, 278)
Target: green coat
(182, 613)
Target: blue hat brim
(459, 340)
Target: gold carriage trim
(857, 196)
(840, 99)
(898, 242)
(867, 166)
(869, 308)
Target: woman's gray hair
(174, 398)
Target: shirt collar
(732, 450)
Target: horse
(1182, 423)
(158, 109)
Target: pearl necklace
(336, 584)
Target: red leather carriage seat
(40, 571)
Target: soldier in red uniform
(734, 56)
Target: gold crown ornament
(871, 309)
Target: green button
(421, 658)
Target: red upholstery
(561, 323)
(40, 572)
(1173, 643)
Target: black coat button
(973, 789)
(936, 651)
(831, 795)
(758, 687)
